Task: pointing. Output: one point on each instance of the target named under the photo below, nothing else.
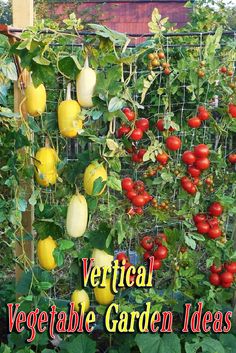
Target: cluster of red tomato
(225, 70)
(196, 121)
(232, 110)
(141, 126)
(223, 275)
(136, 193)
(208, 223)
(154, 247)
(197, 161)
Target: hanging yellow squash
(45, 250)
(35, 99)
(85, 85)
(45, 163)
(78, 297)
(104, 296)
(77, 216)
(102, 258)
(93, 172)
(68, 116)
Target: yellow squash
(80, 296)
(35, 99)
(102, 258)
(104, 296)
(45, 163)
(85, 84)
(68, 116)
(77, 216)
(45, 250)
(93, 172)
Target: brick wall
(131, 16)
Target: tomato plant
(169, 175)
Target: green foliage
(122, 80)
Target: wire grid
(183, 109)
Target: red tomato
(202, 227)
(196, 181)
(173, 143)
(136, 158)
(194, 122)
(226, 277)
(201, 108)
(162, 158)
(147, 197)
(226, 284)
(141, 153)
(139, 186)
(199, 217)
(146, 256)
(215, 209)
(127, 184)
(160, 238)
(122, 256)
(223, 69)
(138, 201)
(213, 222)
(188, 186)
(214, 279)
(137, 134)
(138, 210)
(203, 115)
(231, 267)
(157, 264)
(232, 110)
(147, 243)
(160, 125)
(215, 269)
(202, 163)
(167, 71)
(123, 130)
(130, 114)
(142, 124)
(193, 171)
(232, 158)
(188, 157)
(131, 194)
(161, 252)
(214, 232)
(201, 151)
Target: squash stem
(68, 92)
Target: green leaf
(211, 345)
(47, 227)
(65, 244)
(114, 36)
(4, 349)
(45, 285)
(79, 343)
(155, 344)
(190, 242)
(98, 185)
(97, 238)
(229, 342)
(114, 183)
(115, 104)
(9, 70)
(41, 60)
(69, 67)
(58, 256)
(22, 205)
